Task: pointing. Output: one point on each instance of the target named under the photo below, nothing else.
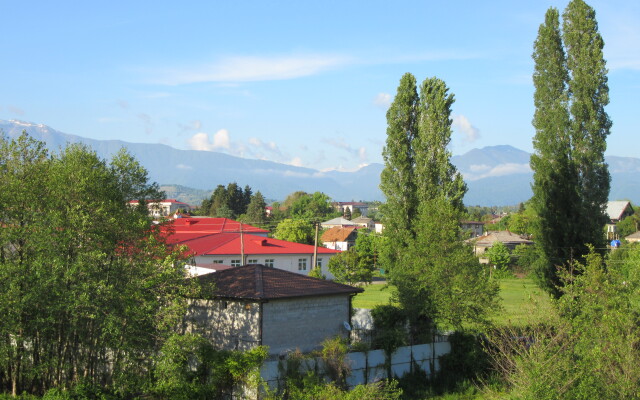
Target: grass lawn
(373, 295)
(522, 300)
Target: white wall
(287, 262)
(367, 367)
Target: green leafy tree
(316, 206)
(350, 267)
(571, 180)
(397, 180)
(499, 256)
(87, 288)
(356, 213)
(438, 277)
(295, 230)
(347, 213)
(256, 213)
(590, 349)
(628, 225)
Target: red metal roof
(220, 244)
(206, 225)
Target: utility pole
(241, 246)
(315, 247)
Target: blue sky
(303, 83)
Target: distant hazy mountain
(496, 175)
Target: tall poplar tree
(571, 179)
(439, 280)
(590, 124)
(555, 194)
(397, 178)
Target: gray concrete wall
(229, 325)
(303, 322)
(367, 367)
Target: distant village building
(340, 238)
(342, 206)
(364, 222)
(509, 239)
(163, 208)
(472, 228)
(617, 211)
(633, 238)
(254, 305)
(336, 222)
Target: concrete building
(255, 305)
(163, 208)
(364, 222)
(342, 206)
(509, 239)
(472, 228)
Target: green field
(373, 295)
(522, 301)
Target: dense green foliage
(87, 288)
(295, 230)
(499, 256)
(590, 350)
(571, 179)
(350, 268)
(437, 276)
(227, 202)
(188, 367)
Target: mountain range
(495, 175)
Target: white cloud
(183, 166)
(485, 171)
(479, 167)
(201, 141)
(247, 69)
(296, 162)
(463, 125)
(382, 100)
(361, 152)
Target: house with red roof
(254, 305)
(208, 225)
(162, 208)
(340, 238)
(236, 249)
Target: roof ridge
(259, 281)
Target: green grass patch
(522, 300)
(373, 295)
(524, 303)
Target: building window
(302, 264)
(252, 261)
(217, 262)
(319, 263)
(235, 263)
(269, 262)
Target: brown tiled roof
(337, 234)
(505, 237)
(257, 282)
